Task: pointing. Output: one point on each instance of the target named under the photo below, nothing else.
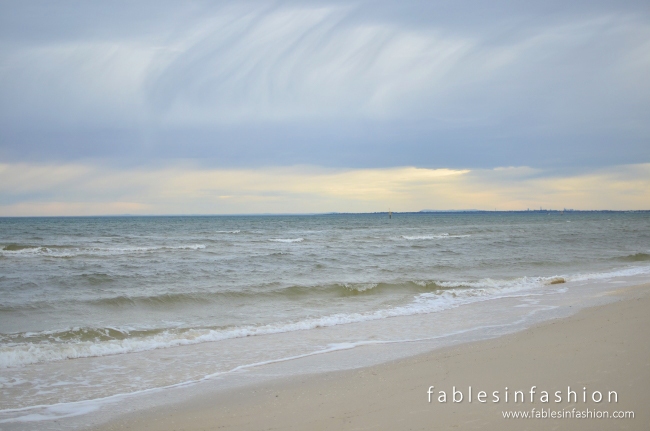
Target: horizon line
(468, 211)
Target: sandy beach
(604, 349)
(297, 215)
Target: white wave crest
(625, 272)
(286, 240)
(29, 353)
(359, 287)
(425, 237)
(454, 294)
(93, 251)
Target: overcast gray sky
(551, 86)
(446, 83)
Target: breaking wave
(637, 257)
(28, 348)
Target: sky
(178, 107)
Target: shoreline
(600, 348)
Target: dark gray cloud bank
(337, 84)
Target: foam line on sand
(604, 349)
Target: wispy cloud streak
(293, 71)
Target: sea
(100, 315)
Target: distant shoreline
(421, 212)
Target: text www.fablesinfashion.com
(566, 414)
(532, 395)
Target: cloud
(88, 189)
(240, 64)
(300, 63)
(327, 83)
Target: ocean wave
(89, 342)
(637, 257)
(277, 291)
(624, 272)
(359, 287)
(287, 240)
(76, 335)
(15, 250)
(290, 292)
(17, 354)
(95, 279)
(228, 231)
(425, 237)
(34, 250)
(18, 247)
(29, 348)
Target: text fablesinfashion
(531, 395)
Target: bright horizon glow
(85, 189)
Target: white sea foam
(624, 272)
(454, 294)
(38, 413)
(150, 249)
(425, 237)
(93, 251)
(228, 231)
(360, 287)
(286, 240)
(458, 293)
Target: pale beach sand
(602, 348)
